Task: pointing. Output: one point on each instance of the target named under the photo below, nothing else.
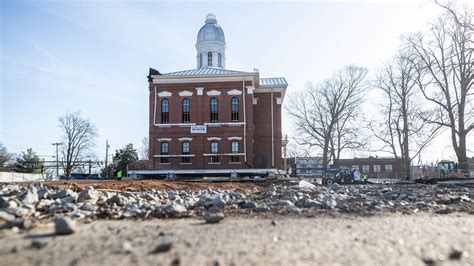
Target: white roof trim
(214, 138)
(164, 139)
(213, 93)
(185, 93)
(234, 138)
(234, 92)
(164, 94)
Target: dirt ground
(143, 185)
(285, 240)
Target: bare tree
(78, 140)
(323, 114)
(5, 157)
(402, 130)
(144, 151)
(445, 57)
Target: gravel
(38, 202)
(64, 226)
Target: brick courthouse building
(212, 120)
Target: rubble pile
(24, 206)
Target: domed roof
(211, 31)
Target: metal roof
(204, 71)
(271, 82)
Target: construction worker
(119, 175)
(364, 177)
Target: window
(214, 110)
(234, 149)
(377, 168)
(200, 60)
(388, 168)
(185, 151)
(219, 58)
(209, 58)
(165, 152)
(234, 109)
(365, 168)
(185, 115)
(165, 115)
(214, 151)
(355, 166)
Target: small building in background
(375, 167)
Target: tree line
(77, 147)
(425, 89)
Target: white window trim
(176, 125)
(164, 94)
(173, 155)
(164, 139)
(234, 92)
(223, 154)
(185, 93)
(214, 138)
(225, 124)
(185, 139)
(213, 93)
(234, 138)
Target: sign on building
(198, 129)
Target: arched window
(214, 152)
(185, 151)
(185, 115)
(209, 58)
(164, 152)
(214, 110)
(219, 59)
(200, 60)
(165, 115)
(234, 109)
(234, 148)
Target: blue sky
(93, 56)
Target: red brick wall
(263, 131)
(200, 113)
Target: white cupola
(210, 45)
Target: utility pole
(57, 159)
(106, 157)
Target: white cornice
(185, 93)
(164, 94)
(213, 93)
(234, 92)
(234, 138)
(202, 78)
